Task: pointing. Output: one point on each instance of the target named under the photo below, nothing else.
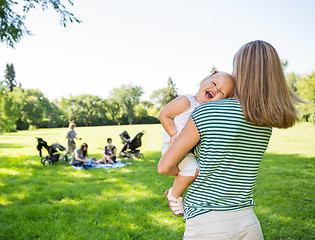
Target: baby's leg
(181, 183)
(188, 172)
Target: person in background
(110, 151)
(80, 156)
(71, 135)
(109, 154)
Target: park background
(114, 71)
(127, 59)
(59, 202)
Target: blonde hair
(222, 73)
(261, 86)
(71, 124)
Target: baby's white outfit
(188, 165)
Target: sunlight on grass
(296, 140)
(112, 180)
(6, 171)
(59, 202)
(126, 170)
(31, 162)
(162, 218)
(285, 219)
(68, 201)
(19, 195)
(4, 201)
(78, 174)
(136, 195)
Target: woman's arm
(186, 140)
(114, 152)
(170, 111)
(76, 157)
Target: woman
(80, 156)
(232, 136)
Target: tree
(142, 113)
(213, 68)
(9, 112)
(12, 24)
(292, 79)
(113, 108)
(35, 107)
(84, 110)
(20, 94)
(165, 95)
(92, 110)
(128, 96)
(306, 90)
(10, 77)
(284, 63)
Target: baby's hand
(173, 138)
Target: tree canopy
(129, 96)
(163, 96)
(10, 77)
(21, 109)
(12, 23)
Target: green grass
(58, 202)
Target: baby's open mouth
(209, 94)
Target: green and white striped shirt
(229, 154)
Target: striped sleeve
(229, 155)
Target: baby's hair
(208, 77)
(71, 125)
(223, 73)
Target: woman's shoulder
(227, 102)
(219, 107)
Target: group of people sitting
(80, 155)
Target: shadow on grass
(58, 202)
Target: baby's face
(217, 87)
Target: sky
(144, 42)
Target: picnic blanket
(118, 164)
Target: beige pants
(71, 148)
(227, 225)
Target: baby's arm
(170, 111)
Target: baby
(173, 117)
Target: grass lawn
(58, 202)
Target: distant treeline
(22, 109)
